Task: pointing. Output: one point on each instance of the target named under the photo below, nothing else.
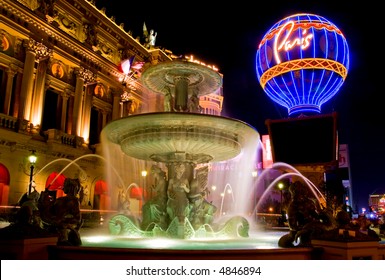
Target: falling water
(71, 162)
(236, 175)
(137, 187)
(122, 170)
(226, 190)
(280, 165)
(74, 162)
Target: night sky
(227, 34)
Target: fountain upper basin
(174, 136)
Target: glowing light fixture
(32, 161)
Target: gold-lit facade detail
(61, 85)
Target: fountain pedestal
(356, 250)
(27, 248)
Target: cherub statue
(201, 212)
(193, 103)
(167, 99)
(178, 188)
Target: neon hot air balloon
(302, 62)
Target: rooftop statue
(149, 37)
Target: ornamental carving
(126, 96)
(87, 75)
(41, 51)
(4, 43)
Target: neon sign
(286, 44)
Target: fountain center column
(181, 93)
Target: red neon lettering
(286, 44)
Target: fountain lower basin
(257, 240)
(259, 246)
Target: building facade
(61, 83)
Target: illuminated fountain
(181, 143)
(301, 63)
(178, 220)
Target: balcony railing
(9, 122)
(59, 137)
(51, 135)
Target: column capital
(12, 70)
(39, 49)
(47, 84)
(66, 93)
(126, 96)
(85, 74)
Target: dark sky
(226, 34)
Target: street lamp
(144, 174)
(281, 186)
(32, 160)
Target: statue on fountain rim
(201, 211)
(178, 188)
(167, 99)
(155, 210)
(193, 103)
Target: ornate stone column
(11, 72)
(104, 113)
(39, 92)
(35, 51)
(65, 96)
(87, 114)
(27, 82)
(83, 76)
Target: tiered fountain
(184, 141)
(178, 220)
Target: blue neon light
(302, 62)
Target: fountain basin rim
(203, 78)
(144, 135)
